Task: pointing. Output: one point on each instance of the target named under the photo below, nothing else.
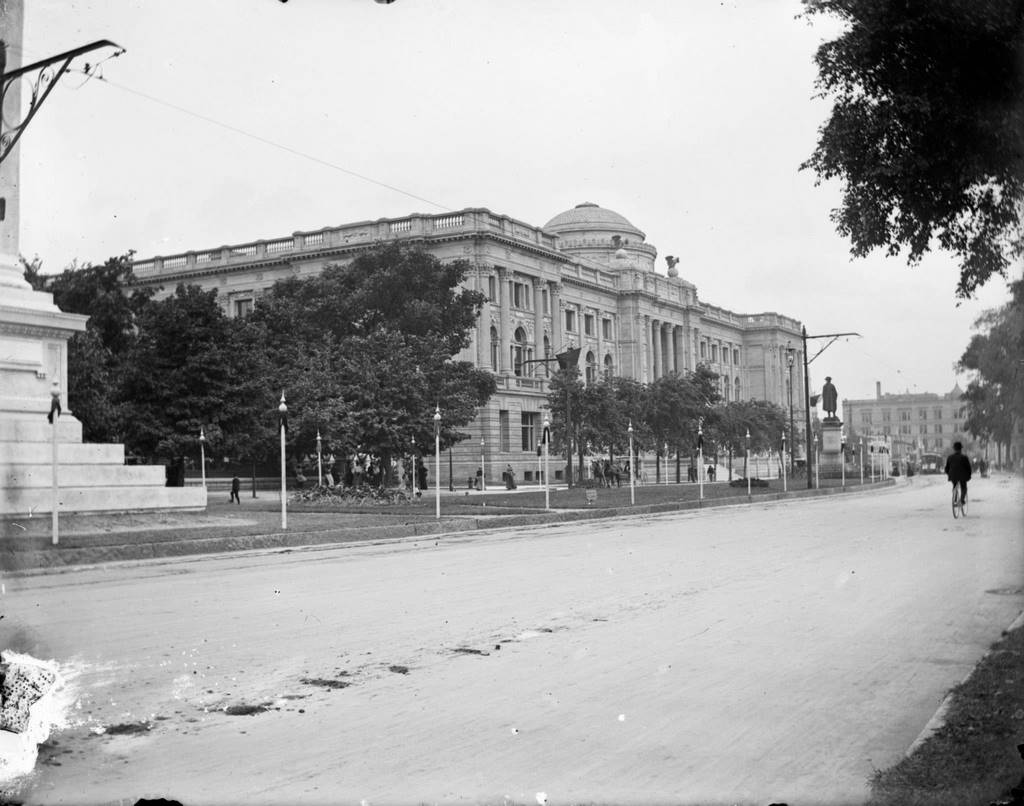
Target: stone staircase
(91, 477)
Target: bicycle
(959, 504)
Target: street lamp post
(817, 476)
(483, 470)
(784, 487)
(860, 456)
(632, 468)
(414, 482)
(746, 470)
(437, 461)
(319, 460)
(700, 459)
(202, 454)
(665, 452)
(54, 417)
(842, 454)
(283, 417)
(546, 438)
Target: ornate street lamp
(700, 459)
(817, 476)
(282, 411)
(784, 482)
(202, 454)
(746, 470)
(54, 417)
(437, 461)
(547, 439)
(842, 453)
(483, 469)
(632, 468)
(861, 457)
(319, 461)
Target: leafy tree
(187, 371)
(927, 129)
(365, 352)
(763, 420)
(995, 394)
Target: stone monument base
(831, 453)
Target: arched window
(737, 386)
(591, 368)
(519, 352)
(727, 389)
(609, 367)
(494, 348)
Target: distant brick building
(585, 279)
(919, 422)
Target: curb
(939, 717)
(164, 546)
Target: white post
(748, 464)
(782, 457)
(547, 489)
(817, 465)
(437, 461)
(283, 410)
(861, 458)
(319, 461)
(700, 460)
(55, 417)
(632, 467)
(842, 455)
(665, 454)
(483, 468)
(202, 454)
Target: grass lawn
(973, 758)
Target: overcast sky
(689, 118)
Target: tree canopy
(995, 359)
(927, 129)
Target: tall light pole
(665, 452)
(547, 439)
(437, 461)
(632, 467)
(861, 457)
(54, 417)
(746, 470)
(817, 478)
(483, 469)
(700, 459)
(784, 483)
(282, 411)
(790, 359)
(319, 461)
(202, 454)
(842, 454)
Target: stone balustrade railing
(365, 233)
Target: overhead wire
(91, 71)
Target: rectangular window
(736, 357)
(606, 328)
(886, 416)
(243, 307)
(504, 437)
(521, 296)
(529, 420)
(905, 429)
(570, 321)
(865, 416)
(922, 429)
(588, 324)
(703, 350)
(937, 414)
(904, 415)
(938, 428)
(922, 413)
(714, 353)
(492, 289)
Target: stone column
(505, 325)
(483, 323)
(538, 324)
(655, 336)
(555, 298)
(597, 334)
(647, 366)
(677, 348)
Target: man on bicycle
(958, 469)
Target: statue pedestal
(34, 337)
(831, 452)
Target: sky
(244, 119)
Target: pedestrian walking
(236, 485)
(421, 474)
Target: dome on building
(590, 217)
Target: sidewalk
(256, 522)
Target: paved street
(770, 652)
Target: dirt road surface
(766, 653)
